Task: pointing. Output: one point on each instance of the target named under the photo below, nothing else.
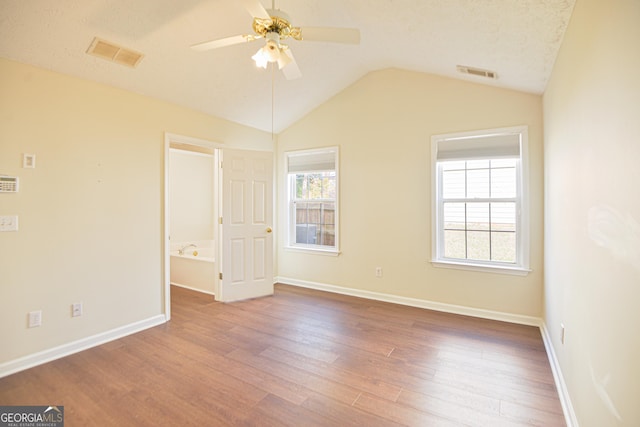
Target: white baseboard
(414, 302)
(563, 392)
(191, 288)
(26, 362)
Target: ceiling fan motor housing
(278, 23)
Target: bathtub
(195, 268)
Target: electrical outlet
(378, 271)
(562, 333)
(35, 318)
(76, 309)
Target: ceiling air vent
(112, 52)
(477, 72)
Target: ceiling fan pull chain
(273, 83)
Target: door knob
(269, 230)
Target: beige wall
(383, 124)
(191, 196)
(592, 211)
(91, 212)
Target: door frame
(182, 140)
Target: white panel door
(247, 221)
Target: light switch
(29, 161)
(9, 223)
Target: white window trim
(305, 248)
(312, 250)
(521, 267)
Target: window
(312, 177)
(480, 206)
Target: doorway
(191, 209)
(242, 216)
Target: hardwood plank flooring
(302, 358)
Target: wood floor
(302, 358)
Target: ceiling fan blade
(255, 8)
(227, 41)
(291, 70)
(333, 35)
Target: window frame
(521, 266)
(291, 244)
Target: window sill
(498, 269)
(307, 250)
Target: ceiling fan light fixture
(260, 58)
(271, 52)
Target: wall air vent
(477, 72)
(112, 52)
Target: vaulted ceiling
(517, 39)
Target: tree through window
(313, 198)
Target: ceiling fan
(274, 26)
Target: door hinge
(220, 220)
(220, 276)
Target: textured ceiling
(518, 39)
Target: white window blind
(479, 148)
(312, 161)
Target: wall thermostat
(8, 184)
